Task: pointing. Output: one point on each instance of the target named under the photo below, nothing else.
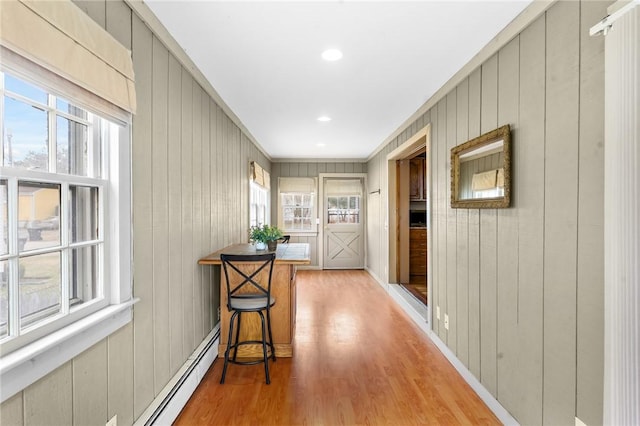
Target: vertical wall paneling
(435, 194)
(442, 207)
(225, 195)
(531, 203)
(475, 97)
(120, 375)
(462, 235)
(561, 193)
(49, 400)
(219, 184)
(90, 386)
(143, 218)
(451, 283)
(177, 351)
(95, 9)
(196, 206)
(590, 275)
(205, 243)
(488, 241)
(507, 237)
(13, 410)
(160, 220)
(187, 210)
(118, 21)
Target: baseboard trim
(420, 318)
(498, 410)
(166, 407)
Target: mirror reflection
(480, 171)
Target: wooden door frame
(420, 140)
(363, 212)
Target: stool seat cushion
(250, 303)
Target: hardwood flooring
(357, 360)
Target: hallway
(358, 359)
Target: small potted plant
(265, 236)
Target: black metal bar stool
(249, 295)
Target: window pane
(64, 106)
(84, 278)
(38, 211)
(27, 90)
(83, 203)
(72, 147)
(343, 209)
(39, 287)
(4, 223)
(4, 297)
(25, 136)
(332, 202)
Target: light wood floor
(358, 360)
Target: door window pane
(343, 209)
(39, 287)
(83, 203)
(25, 136)
(38, 210)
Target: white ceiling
(263, 58)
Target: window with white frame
(258, 205)
(297, 205)
(54, 179)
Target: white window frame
(263, 195)
(290, 186)
(50, 346)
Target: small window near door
(297, 205)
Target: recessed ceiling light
(331, 55)
(320, 145)
(324, 118)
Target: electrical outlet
(438, 312)
(446, 321)
(113, 421)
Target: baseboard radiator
(166, 407)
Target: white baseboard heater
(166, 407)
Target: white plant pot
(260, 245)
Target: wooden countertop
(290, 253)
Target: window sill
(26, 365)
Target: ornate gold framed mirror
(481, 171)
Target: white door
(343, 223)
